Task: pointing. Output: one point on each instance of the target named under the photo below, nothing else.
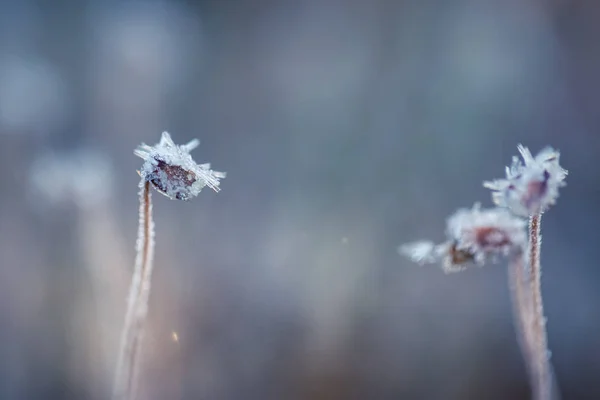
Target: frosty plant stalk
(530, 189)
(170, 169)
(476, 237)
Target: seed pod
(172, 171)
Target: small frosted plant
(531, 186)
(529, 189)
(170, 169)
(476, 237)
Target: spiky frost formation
(475, 236)
(172, 171)
(531, 186)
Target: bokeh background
(346, 128)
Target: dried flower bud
(474, 237)
(531, 186)
(486, 232)
(172, 171)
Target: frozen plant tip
(531, 186)
(172, 171)
(474, 236)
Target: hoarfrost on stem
(474, 236)
(172, 171)
(531, 186)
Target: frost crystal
(531, 186)
(172, 171)
(474, 236)
(423, 252)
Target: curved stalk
(125, 384)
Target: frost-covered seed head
(474, 236)
(531, 186)
(172, 171)
(486, 232)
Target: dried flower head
(172, 171)
(474, 236)
(531, 186)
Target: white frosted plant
(170, 169)
(475, 237)
(478, 236)
(531, 186)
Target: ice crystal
(474, 236)
(424, 252)
(531, 186)
(172, 171)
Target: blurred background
(346, 128)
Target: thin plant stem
(518, 283)
(542, 385)
(137, 304)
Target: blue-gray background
(346, 128)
